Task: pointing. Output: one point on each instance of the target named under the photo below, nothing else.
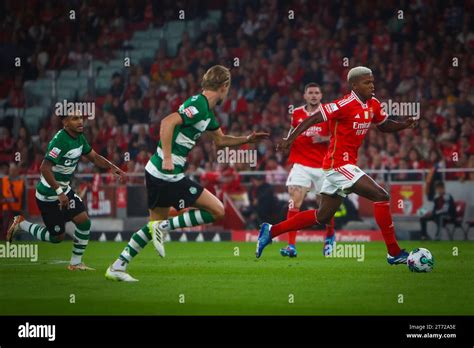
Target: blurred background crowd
(420, 51)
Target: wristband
(59, 190)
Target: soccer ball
(420, 260)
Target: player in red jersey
(306, 154)
(349, 120)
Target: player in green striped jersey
(167, 186)
(57, 202)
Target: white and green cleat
(158, 236)
(118, 276)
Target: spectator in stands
(12, 194)
(470, 164)
(443, 209)
(118, 111)
(79, 58)
(135, 112)
(404, 176)
(60, 59)
(117, 87)
(16, 97)
(263, 203)
(7, 145)
(140, 139)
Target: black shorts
(180, 194)
(54, 218)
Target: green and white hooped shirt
(197, 118)
(64, 152)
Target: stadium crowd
(420, 51)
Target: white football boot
(158, 236)
(119, 276)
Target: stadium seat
(97, 66)
(116, 63)
(175, 29)
(68, 74)
(14, 112)
(32, 124)
(452, 225)
(45, 101)
(82, 82)
(147, 53)
(51, 74)
(139, 44)
(33, 117)
(172, 44)
(66, 83)
(67, 93)
(141, 35)
(36, 91)
(213, 18)
(84, 73)
(141, 55)
(215, 14)
(81, 91)
(108, 72)
(44, 83)
(35, 112)
(42, 92)
(156, 34)
(192, 27)
(136, 55)
(102, 84)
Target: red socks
(292, 234)
(383, 217)
(298, 221)
(330, 228)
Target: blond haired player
(167, 186)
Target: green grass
(215, 282)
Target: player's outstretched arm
(308, 122)
(222, 140)
(391, 126)
(104, 163)
(167, 126)
(46, 170)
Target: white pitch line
(51, 262)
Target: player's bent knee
(323, 218)
(383, 196)
(297, 194)
(218, 213)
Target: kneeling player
(307, 153)
(165, 181)
(56, 200)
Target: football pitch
(225, 279)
